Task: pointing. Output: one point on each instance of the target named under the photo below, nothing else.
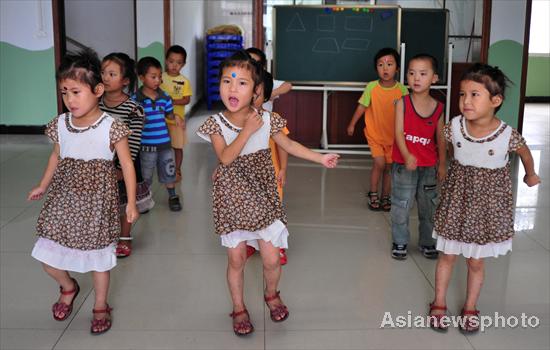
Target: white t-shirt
(268, 106)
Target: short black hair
(127, 66)
(178, 50)
(494, 80)
(387, 51)
(426, 57)
(145, 63)
(83, 66)
(267, 81)
(259, 53)
(242, 59)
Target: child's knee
(447, 258)
(236, 261)
(475, 265)
(271, 262)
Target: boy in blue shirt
(156, 149)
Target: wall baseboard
(537, 99)
(22, 129)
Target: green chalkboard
(426, 31)
(326, 44)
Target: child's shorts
(163, 160)
(178, 136)
(378, 150)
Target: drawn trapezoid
(328, 45)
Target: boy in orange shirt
(377, 104)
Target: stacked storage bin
(218, 47)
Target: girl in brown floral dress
(78, 226)
(475, 217)
(246, 205)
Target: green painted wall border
(27, 86)
(538, 73)
(156, 49)
(508, 56)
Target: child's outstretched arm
(281, 90)
(328, 160)
(37, 192)
(123, 154)
(359, 112)
(531, 178)
(441, 150)
(410, 160)
(227, 154)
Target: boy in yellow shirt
(179, 89)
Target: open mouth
(233, 101)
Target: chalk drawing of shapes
(327, 45)
(356, 44)
(296, 24)
(358, 24)
(326, 23)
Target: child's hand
(410, 163)
(281, 178)
(132, 213)
(441, 172)
(351, 130)
(330, 160)
(253, 121)
(179, 122)
(36, 193)
(531, 180)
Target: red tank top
(420, 134)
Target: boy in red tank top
(418, 158)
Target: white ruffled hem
(63, 258)
(472, 250)
(276, 233)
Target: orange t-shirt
(275, 159)
(380, 112)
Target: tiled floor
(340, 280)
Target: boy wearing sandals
(377, 104)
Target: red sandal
(244, 324)
(122, 249)
(62, 307)
(279, 310)
(105, 322)
(435, 320)
(469, 322)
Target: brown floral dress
(244, 193)
(79, 224)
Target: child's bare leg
(386, 180)
(272, 275)
(377, 170)
(236, 260)
(62, 278)
(101, 289)
(178, 155)
(443, 272)
(476, 274)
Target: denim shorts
(163, 160)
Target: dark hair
(127, 67)
(145, 63)
(267, 81)
(426, 57)
(177, 50)
(494, 80)
(259, 53)
(242, 59)
(385, 52)
(83, 66)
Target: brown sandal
(62, 307)
(244, 324)
(435, 320)
(373, 201)
(385, 203)
(467, 325)
(279, 310)
(104, 322)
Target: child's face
(386, 67)
(236, 88)
(111, 75)
(475, 100)
(152, 78)
(79, 98)
(174, 63)
(421, 75)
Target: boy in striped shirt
(156, 149)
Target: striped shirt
(131, 114)
(155, 131)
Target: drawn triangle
(296, 24)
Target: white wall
(188, 28)
(106, 26)
(27, 24)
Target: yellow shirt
(177, 87)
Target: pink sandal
(59, 307)
(244, 324)
(279, 310)
(104, 322)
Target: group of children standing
(79, 228)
